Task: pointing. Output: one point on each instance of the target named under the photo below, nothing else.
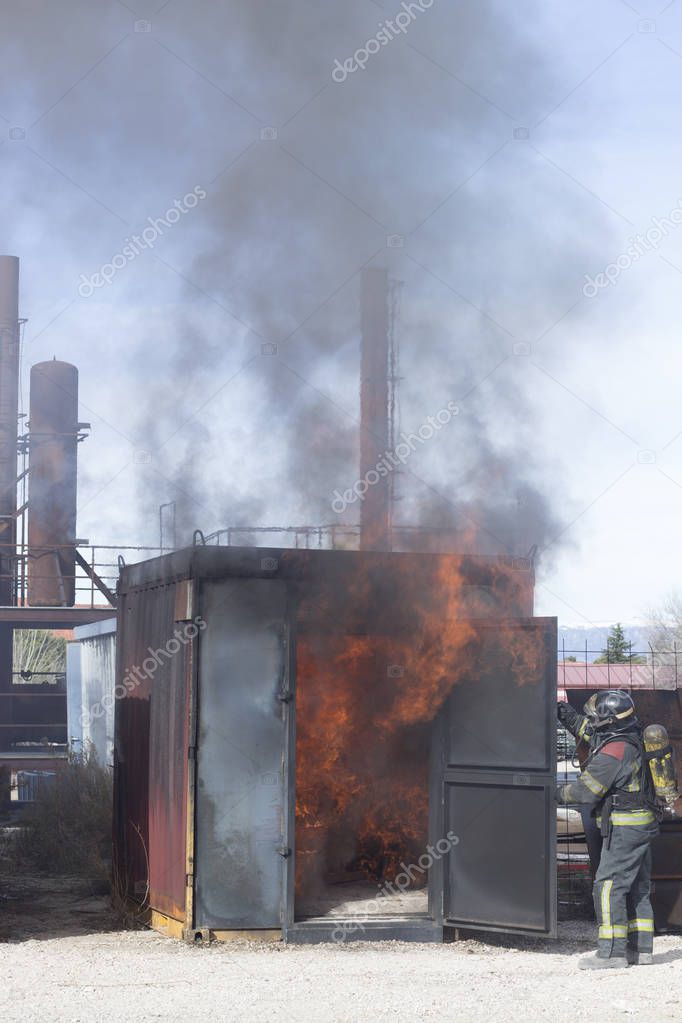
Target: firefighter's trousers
(622, 885)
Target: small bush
(68, 828)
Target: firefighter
(615, 781)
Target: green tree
(618, 650)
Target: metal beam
(53, 617)
(91, 574)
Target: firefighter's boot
(597, 962)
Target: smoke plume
(226, 358)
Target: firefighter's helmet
(610, 707)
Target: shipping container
(333, 745)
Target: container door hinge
(283, 851)
(285, 697)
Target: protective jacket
(614, 780)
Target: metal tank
(9, 410)
(9, 387)
(52, 488)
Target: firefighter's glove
(563, 711)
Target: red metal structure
(54, 432)
(39, 570)
(9, 386)
(9, 409)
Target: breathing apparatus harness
(644, 798)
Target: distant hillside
(575, 637)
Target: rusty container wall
(53, 441)
(153, 679)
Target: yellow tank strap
(634, 783)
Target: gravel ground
(94, 972)
(140, 976)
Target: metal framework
(96, 575)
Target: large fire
(366, 704)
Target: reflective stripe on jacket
(614, 767)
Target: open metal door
(241, 853)
(498, 769)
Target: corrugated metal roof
(576, 675)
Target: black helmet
(611, 707)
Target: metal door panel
(240, 756)
(497, 872)
(497, 782)
(504, 715)
(497, 723)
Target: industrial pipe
(9, 411)
(52, 486)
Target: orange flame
(365, 708)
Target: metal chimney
(375, 434)
(9, 412)
(52, 485)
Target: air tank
(52, 484)
(661, 758)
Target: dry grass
(68, 828)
